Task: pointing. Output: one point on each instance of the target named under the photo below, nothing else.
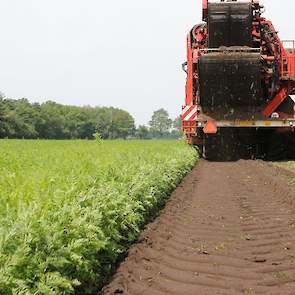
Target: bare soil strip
(228, 229)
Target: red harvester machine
(240, 81)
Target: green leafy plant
(97, 137)
(69, 210)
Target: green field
(70, 209)
(288, 165)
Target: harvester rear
(240, 82)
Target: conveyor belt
(230, 24)
(230, 84)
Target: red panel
(210, 128)
(189, 113)
(291, 64)
(189, 82)
(205, 7)
(275, 102)
(289, 48)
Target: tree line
(160, 126)
(50, 120)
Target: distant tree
(160, 123)
(114, 123)
(177, 124)
(53, 125)
(142, 132)
(78, 122)
(177, 128)
(123, 123)
(3, 123)
(2, 115)
(19, 119)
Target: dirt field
(228, 229)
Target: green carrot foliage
(69, 210)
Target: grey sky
(118, 53)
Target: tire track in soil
(228, 229)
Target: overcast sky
(118, 53)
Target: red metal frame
(205, 7)
(189, 84)
(275, 102)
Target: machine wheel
(276, 148)
(200, 149)
(281, 146)
(291, 146)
